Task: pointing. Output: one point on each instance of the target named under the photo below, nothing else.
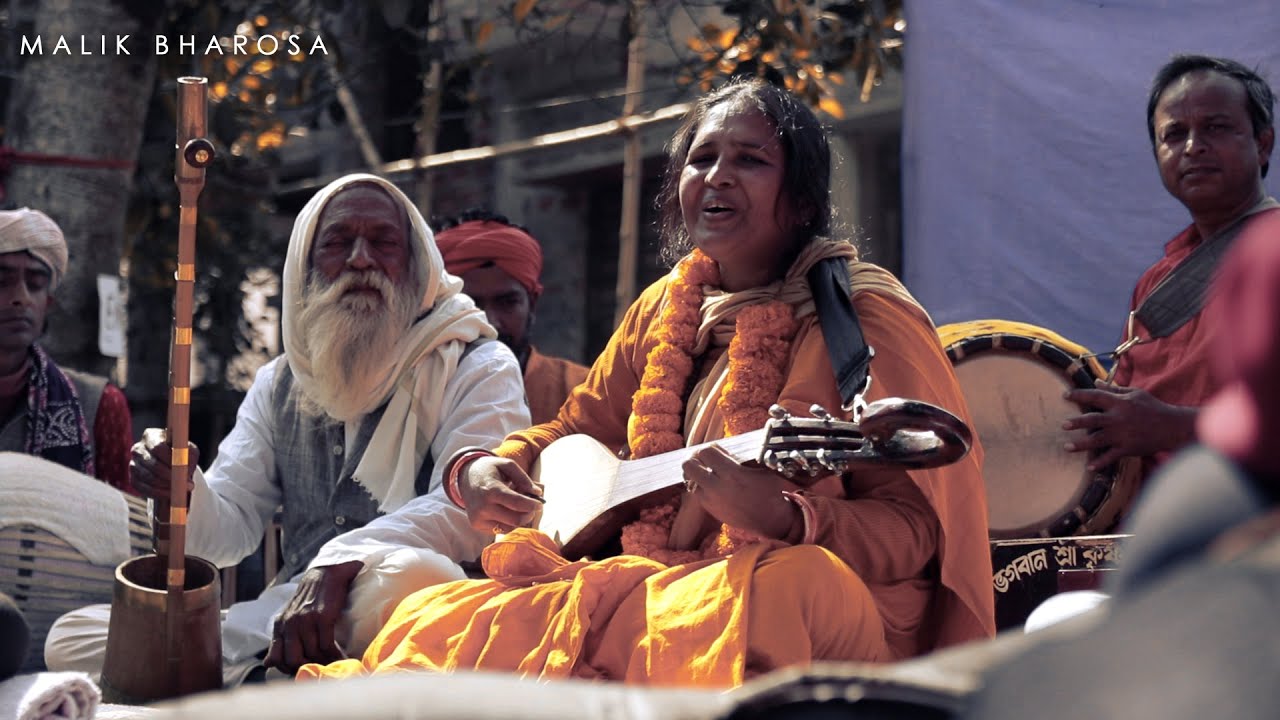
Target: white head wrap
(426, 357)
(32, 231)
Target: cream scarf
(426, 357)
(703, 420)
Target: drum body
(47, 576)
(1013, 376)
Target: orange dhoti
(713, 623)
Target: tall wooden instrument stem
(194, 153)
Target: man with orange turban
(500, 263)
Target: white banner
(1029, 185)
(111, 316)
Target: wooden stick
(632, 171)
(194, 152)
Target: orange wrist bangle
(455, 469)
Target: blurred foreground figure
(14, 636)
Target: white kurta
(236, 498)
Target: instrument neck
(743, 448)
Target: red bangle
(806, 512)
(455, 468)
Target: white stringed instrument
(590, 493)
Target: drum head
(1013, 376)
(1017, 408)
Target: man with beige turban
(388, 371)
(70, 418)
(500, 264)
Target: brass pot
(136, 670)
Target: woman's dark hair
(1259, 100)
(806, 179)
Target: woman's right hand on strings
(499, 495)
(150, 462)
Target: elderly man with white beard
(388, 371)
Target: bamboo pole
(632, 170)
(538, 142)
(515, 147)
(429, 122)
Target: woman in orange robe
(744, 572)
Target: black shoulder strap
(1182, 293)
(850, 355)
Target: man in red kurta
(500, 264)
(1211, 127)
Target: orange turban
(478, 243)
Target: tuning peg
(777, 412)
(820, 412)
(832, 461)
(779, 463)
(798, 459)
(769, 459)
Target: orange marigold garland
(757, 356)
(670, 362)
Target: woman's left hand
(744, 497)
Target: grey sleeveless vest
(315, 469)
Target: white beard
(351, 339)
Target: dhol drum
(47, 576)
(1013, 376)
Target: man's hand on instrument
(747, 498)
(304, 631)
(1128, 422)
(150, 462)
(498, 494)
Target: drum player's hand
(1128, 422)
(304, 631)
(499, 495)
(150, 461)
(747, 498)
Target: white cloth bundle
(90, 515)
(49, 696)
